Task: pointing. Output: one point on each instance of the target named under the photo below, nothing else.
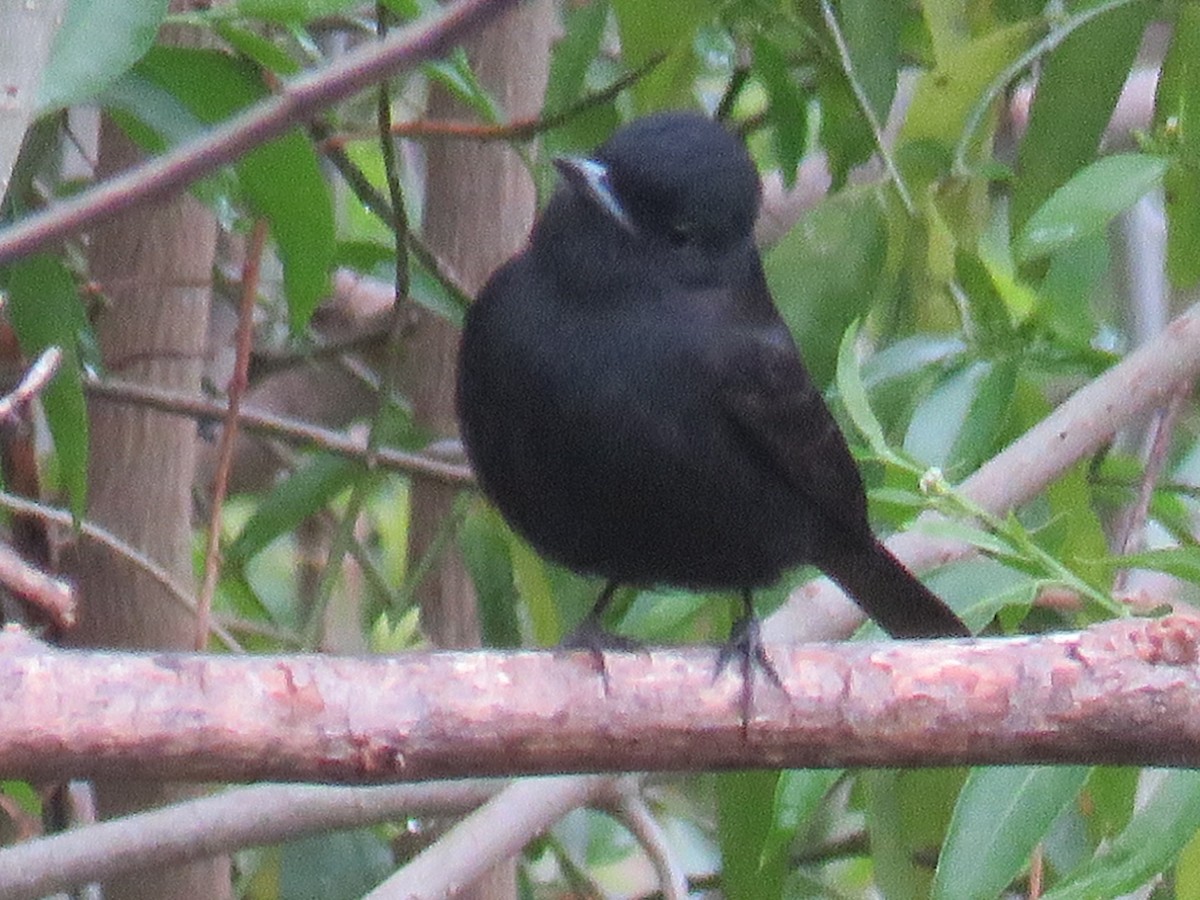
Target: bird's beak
(590, 178)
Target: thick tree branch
(1125, 692)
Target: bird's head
(674, 178)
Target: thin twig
(864, 105)
(370, 197)
(291, 431)
(53, 596)
(343, 536)
(298, 100)
(1156, 461)
(622, 799)
(36, 377)
(516, 130)
(106, 538)
(238, 384)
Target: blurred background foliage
(975, 206)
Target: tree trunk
(478, 210)
(155, 267)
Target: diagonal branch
(298, 99)
(1080, 426)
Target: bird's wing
(777, 410)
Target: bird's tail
(891, 595)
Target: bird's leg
(591, 634)
(745, 642)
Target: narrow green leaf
(282, 179)
(338, 866)
(1109, 798)
(286, 11)
(291, 501)
(648, 30)
(895, 871)
(745, 818)
(533, 583)
(854, 395)
(45, 311)
(872, 32)
(96, 44)
(1181, 190)
(1088, 202)
(1177, 97)
(798, 795)
(956, 426)
(574, 53)
(1182, 562)
(485, 548)
(1154, 837)
(825, 272)
(944, 98)
(1077, 89)
(1177, 126)
(788, 106)
(1001, 815)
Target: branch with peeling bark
(1125, 692)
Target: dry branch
(1125, 692)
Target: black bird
(635, 407)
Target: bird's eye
(680, 232)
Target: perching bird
(635, 407)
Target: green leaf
(825, 272)
(1177, 126)
(798, 795)
(1156, 834)
(788, 110)
(1187, 869)
(574, 53)
(285, 11)
(1177, 97)
(1088, 202)
(872, 33)
(648, 30)
(745, 819)
(896, 872)
(282, 179)
(956, 425)
(1073, 278)
(854, 396)
(456, 75)
(1077, 89)
(845, 133)
(45, 311)
(485, 547)
(944, 98)
(291, 501)
(258, 48)
(1001, 815)
(991, 319)
(1182, 562)
(1181, 191)
(96, 44)
(1109, 797)
(532, 578)
(338, 866)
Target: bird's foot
(593, 637)
(745, 643)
